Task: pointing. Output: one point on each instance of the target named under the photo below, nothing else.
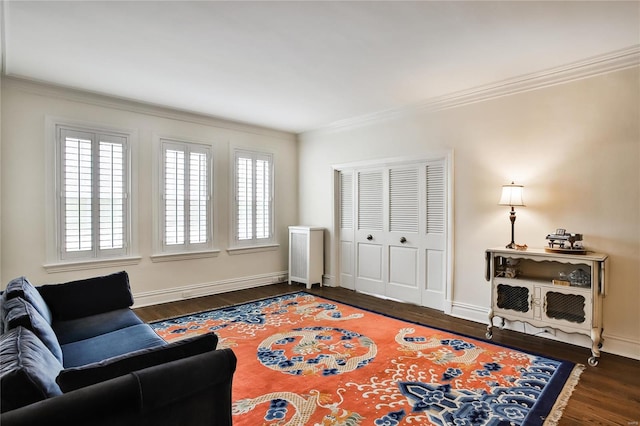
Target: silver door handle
(369, 237)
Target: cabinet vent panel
(569, 307)
(514, 298)
(299, 255)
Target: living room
(570, 133)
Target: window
(253, 198)
(186, 196)
(92, 196)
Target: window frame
(57, 253)
(253, 242)
(187, 247)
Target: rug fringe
(561, 403)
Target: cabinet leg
(489, 333)
(596, 344)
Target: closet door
(404, 240)
(370, 237)
(346, 221)
(435, 225)
(393, 230)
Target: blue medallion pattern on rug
(316, 350)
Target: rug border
(226, 306)
(568, 372)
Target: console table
(549, 290)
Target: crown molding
(610, 62)
(113, 102)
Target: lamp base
(511, 245)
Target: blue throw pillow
(28, 370)
(74, 378)
(21, 287)
(19, 312)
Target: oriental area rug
(307, 360)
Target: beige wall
(25, 108)
(575, 147)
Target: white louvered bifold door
(399, 228)
(435, 234)
(404, 239)
(370, 235)
(346, 217)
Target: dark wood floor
(608, 394)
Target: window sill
(91, 264)
(252, 249)
(171, 257)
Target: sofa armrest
(91, 296)
(192, 391)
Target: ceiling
(299, 66)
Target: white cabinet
(306, 255)
(560, 291)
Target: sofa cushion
(73, 330)
(28, 370)
(21, 287)
(111, 344)
(19, 312)
(91, 296)
(74, 378)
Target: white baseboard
(205, 289)
(611, 344)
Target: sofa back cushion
(91, 296)
(27, 370)
(21, 287)
(20, 313)
(73, 378)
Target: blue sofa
(75, 353)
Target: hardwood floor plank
(608, 394)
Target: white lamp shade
(511, 195)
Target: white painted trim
(609, 62)
(252, 249)
(170, 257)
(329, 280)
(155, 297)
(91, 264)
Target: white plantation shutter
(112, 194)
(93, 184)
(346, 200)
(198, 197)
(370, 200)
(187, 196)
(263, 199)
(253, 208)
(403, 200)
(174, 196)
(435, 198)
(244, 198)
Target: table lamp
(511, 196)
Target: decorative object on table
(558, 242)
(512, 196)
(580, 278)
(306, 360)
